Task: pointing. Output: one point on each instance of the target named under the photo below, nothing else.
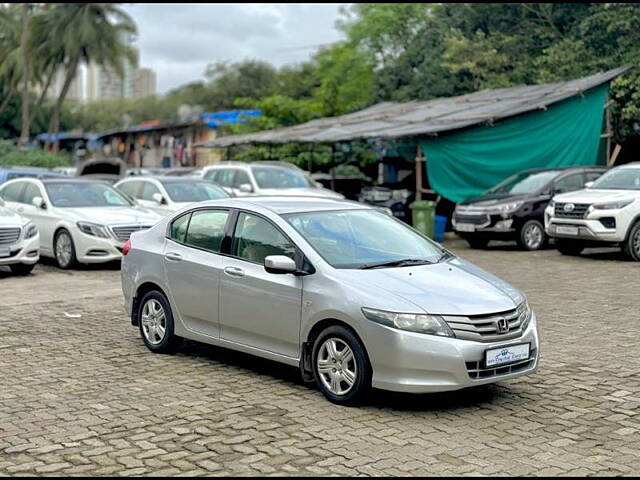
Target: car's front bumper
(90, 249)
(413, 362)
(590, 228)
(26, 252)
(484, 224)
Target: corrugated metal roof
(392, 120)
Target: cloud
(179, 40)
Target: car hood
(112, 215)
(449, 288)
(316, 192)
(489, 199)
(10, 218)
(592, 195)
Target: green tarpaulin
(464, 164)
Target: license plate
(566, 230)
(504, 355)
(465, 227)
(4, 252)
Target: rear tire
(569, 247)
(22, 268)
(155, 320)
(631, 246)
(476, 242)
(532, 236)
(340, 366)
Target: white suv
(607, 212)
(265, 178)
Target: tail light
(126, 247)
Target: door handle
(176, 257)
(234, 272)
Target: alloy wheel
(337, 366)
(64, 249)
(154, 322)
(533, 236)
(635, 244)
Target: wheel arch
(141, 291)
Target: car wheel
(632, 245)
(532, 236)
(156, 323)
(64, 250)
(21, 268)
(340, 366)
(475, 242)
(569, 247)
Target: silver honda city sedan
(352, 296)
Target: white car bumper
(90, 249)
(599, 226)
(26, 251)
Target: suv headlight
(30, 230)
(419, 323)
(612, 205)
(552, 204)
(524, 314)
(93, 229)
(505, 207)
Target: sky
(179, 40)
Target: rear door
(193, 267)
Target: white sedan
(83, 221)
(19, 241)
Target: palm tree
(25, 63)
(10, 67)
(84, 33)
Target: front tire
(22, 268)
(340, 366)
(632, 246)
(155, 320)
(569, 247)
(532, 236)
(64, 250)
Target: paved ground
(81, 395)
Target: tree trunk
(5, 101)
(44, 91)
(24, 53)
(54, 124)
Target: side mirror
(246, 188)
(588, 184)
(279, 264)
(39, 202)
(158, 198)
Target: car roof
(288, 204)
(68, 180)
(629, 165)
(165, 179)
(263, 163)
(565, 169)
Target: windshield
(269, 177)
(80, 194)
(524, 182)
(357, 238)
(193, 191)
(619, 179)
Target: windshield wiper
(444, 256)
(405, 262)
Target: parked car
(79, 220)
(168, 194)
(135, 172)
(19, 241)
(182, 172)
(514, 209)
(352, 296)
(9, 173)
(68, 171)
(395, 201)
(264, 178)
(606, 213)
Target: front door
(193, 266)
(41, 217)
(257, 308)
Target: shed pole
(420, 159)
(333, 170)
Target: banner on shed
(464, 164)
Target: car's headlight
(612, 205)
(524, 314)
(552, 204)
(506, 207)
(420, 323)
(93, 229)
(30, 230)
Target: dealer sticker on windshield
(465, 227)
(510, 354)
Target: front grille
(470, 218)
(579, 210)
(9, 235)
(123, 233)
(476, 370)
(484, 328)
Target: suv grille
(484, 328)
(579, 210)
(478, 219)
(476, 370)
(9, 235)
(123, 233)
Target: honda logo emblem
(502, 325)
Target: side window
(591, 176)
(11, 193)
(240, 178)
(30, 192)
(225, 177)
(130, 188)
(256, 238)
(570, 183)
(148, 190)
(179, 228)
(206, 229)
(212, 175)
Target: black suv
(514, 209)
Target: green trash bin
(423, 216)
